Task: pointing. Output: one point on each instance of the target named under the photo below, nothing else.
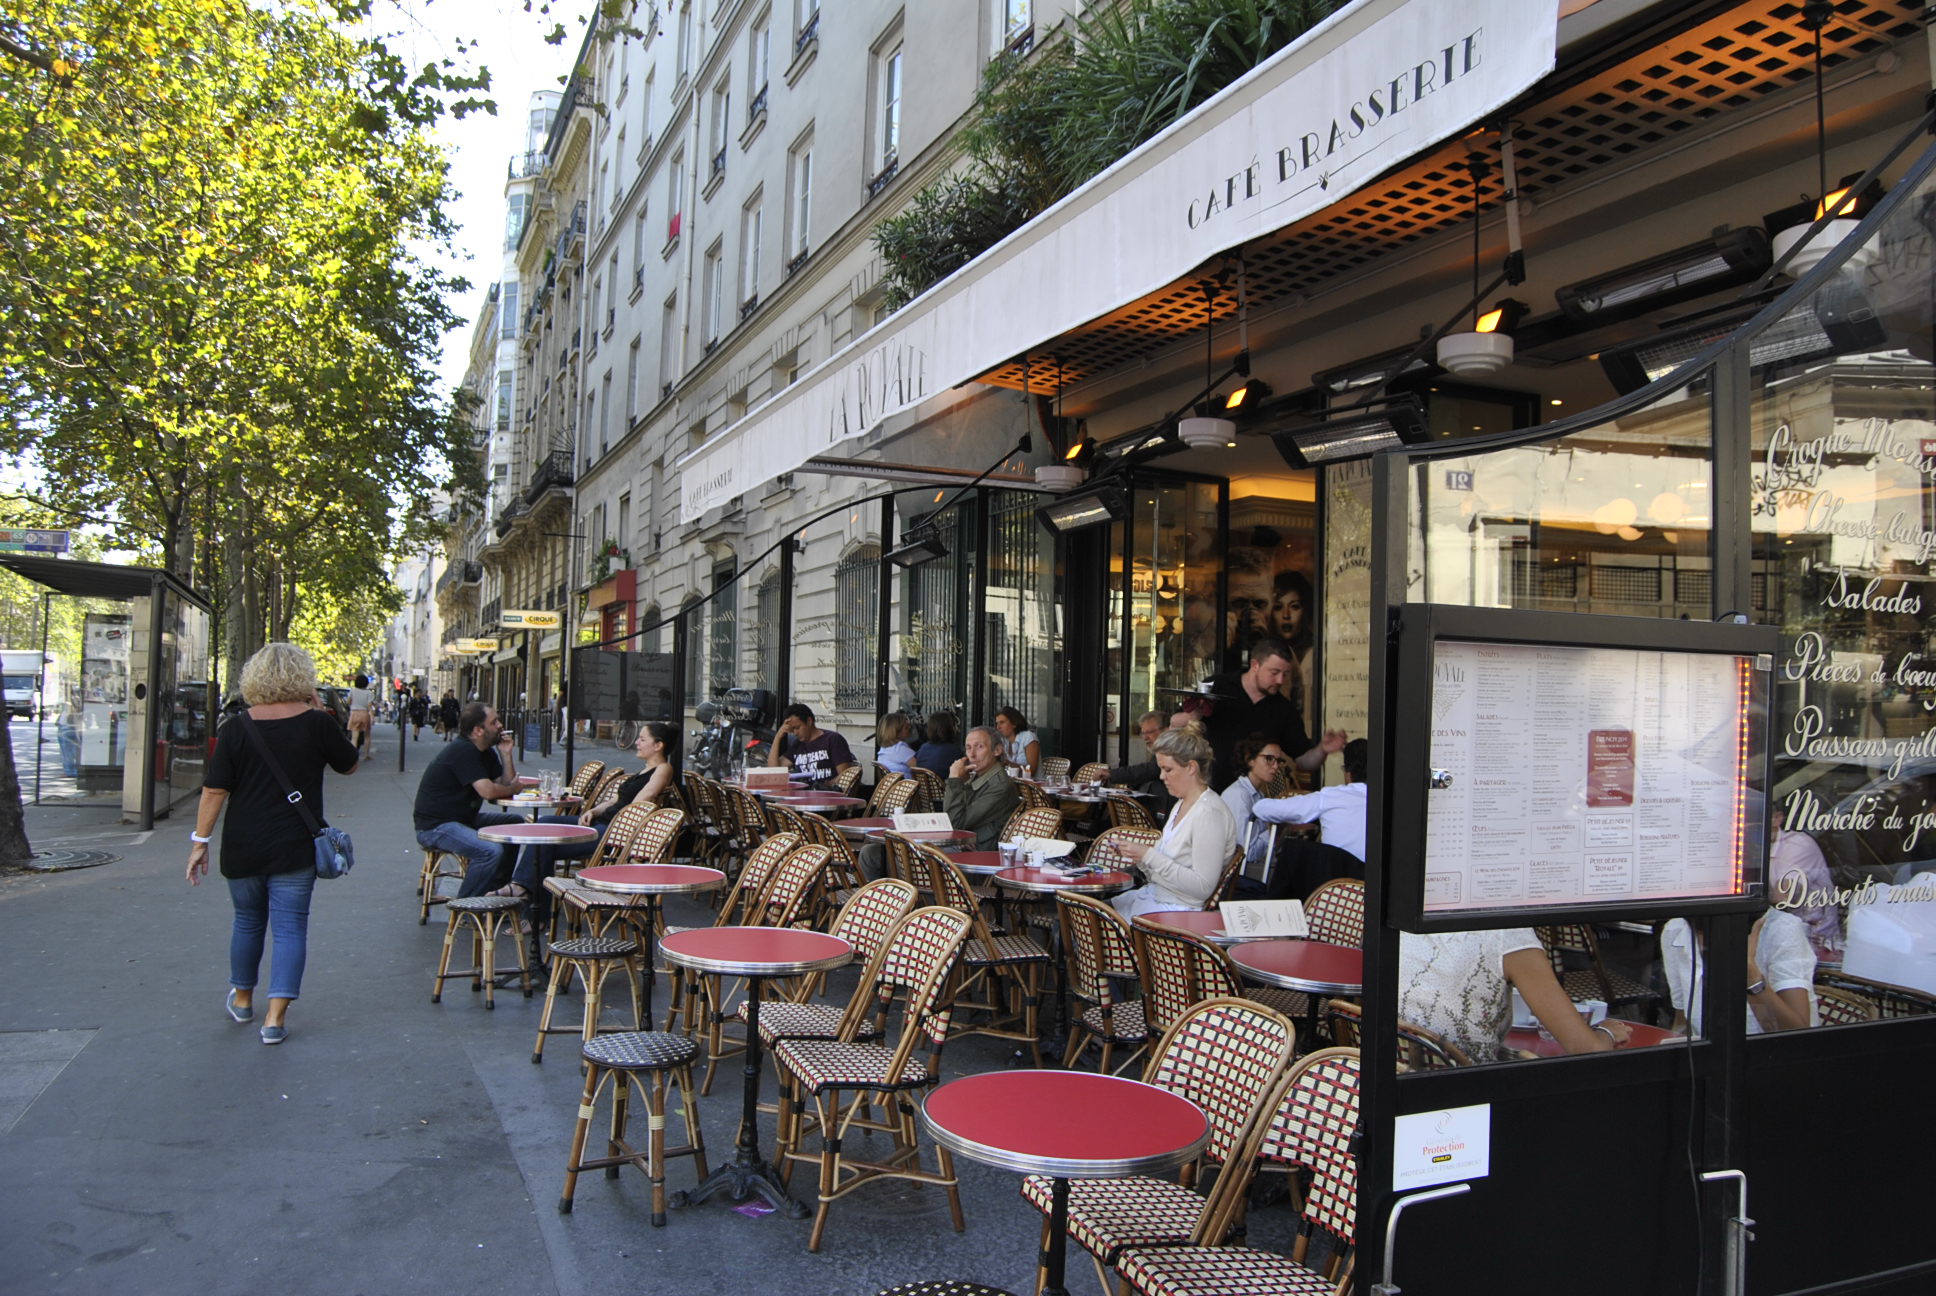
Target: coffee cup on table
(1594, 1010)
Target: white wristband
(197, 838)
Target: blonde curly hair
(280, 672)
(1184, 747)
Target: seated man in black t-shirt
(452, 793)
(809, 749)
(1251, 703)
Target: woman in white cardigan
(1183, 867)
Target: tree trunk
(14, 847)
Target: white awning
(1374, 84)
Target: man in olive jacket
(979, 796)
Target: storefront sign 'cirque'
(1376, 83)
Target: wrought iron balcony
(554, 470)
(887, 173)
(756, 107)
(719, 164)
(808, 33)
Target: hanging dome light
(1487, 347)
(1206, 433)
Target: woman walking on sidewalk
(268, 858)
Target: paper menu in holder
(1049, 848)
(1264, 918)
(774, 777)
(906, 821)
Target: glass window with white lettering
(1844, 542)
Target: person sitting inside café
(451, 794)
(809, 750)
(1021, 749)
(1183, 867)
(1339, 811)
(1263, 763)
(979, 796)
(891, 749)
(1251, 703)
(1781, 973)
(1144, 776)
(943, 746)
(1458, 985)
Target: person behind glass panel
(1021, 749)
(808, 749)
(1292, 620)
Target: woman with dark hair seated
(943, 747)
(656, 743)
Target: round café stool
(486, 915)
(944, 1287)
(647, 1059)
(437, 865)
(593, 958)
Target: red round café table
(1530, 1040)
(1311, 966)
(1023, 878)
(650, 881)
(1207, 923)
(1067, 1125)
(755, 953)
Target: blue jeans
(488, 864)
(535, 863)
(277, 903)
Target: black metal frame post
(783, 666)
(40, 723)
(883, 625)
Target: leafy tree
(1044, 122)
(216, 342)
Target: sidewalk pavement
(151, 1145)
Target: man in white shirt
(1781, 973)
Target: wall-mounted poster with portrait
(1272, 560)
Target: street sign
(25, 540)
(531, 620)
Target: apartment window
(624, 533)
(804, 12)
(514, 211)
(507, 312)
(799, 198)
(604, 409)
(591, 413)
(645, 116)
(638, 249)
(605, 187)
(888, 85)
(598, 300)
(668, 344)
(506, 384)
(714, 289)
(752, 227)
(675, 196)
(759, 59)
(684, 53)
(1017, 17)
(632, 383)
(611, 307)
(652, 634)
(768, 633)
(722, 116)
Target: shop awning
(1371, 86)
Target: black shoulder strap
(290, 793)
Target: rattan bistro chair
(1054, 767)
(1093, 772)
(1229, 1057)
(1311, 1124)
(1335, 912)
(866, 923)
(1006, 971)
(840, 1081)
(586, 778)
(1595, 980)
(1100, 956)
(1840, 1008)
(1127, 812)
(1182, 968)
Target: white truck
(21, 673)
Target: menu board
(1586, 776)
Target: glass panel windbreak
(1614, 521)
(1169, 577)
(1844, 535)
(931, 616)
(1022, 617)
(836, 611)
(184, 729)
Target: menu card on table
(906, 821)
(1264, 918)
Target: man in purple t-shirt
(809, 749)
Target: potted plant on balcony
(607, 559)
